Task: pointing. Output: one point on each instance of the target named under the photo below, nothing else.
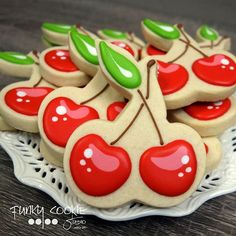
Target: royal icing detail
(169, 170)
(98, 168)
(114, 110)
(208, 33)
(16, 58)
(121, 69)
(26, 100)
(206, 148)
(85, 45)
(60, 60)
(62, 116)
(58, 28)
(152, 51)
(163, 30)
(115, 34)
(208, 110)
(171, 77)
(124, 46)
(217, 69)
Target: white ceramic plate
(31, 169)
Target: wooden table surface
(20, 31)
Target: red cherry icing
(152, 51)
(62, 116)
(97, 168)
(26, 100)
(171, 77)
(207, 149)
(124, 46)
(60, 60)
(218, 69)
(114, 110)
(169, 170)
(208, 110)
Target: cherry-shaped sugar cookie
(208, 37)
(67, 108)
(213, 151)
(57, 34)
(207, 118)
(128, 37)
(139, 156)
(57, 68)
(4, 126)
(20, 101)
(187, 73)
(17, 64)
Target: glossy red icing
(152, 51)
(26, 100)
(208, 110)
(218, 69)
(62, 116)
(114, 110)
(171, 77)
(97, 168)
(123, 45)
(60, 60)
(169, 170)
(207, 149)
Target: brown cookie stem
(129, 125)
(217, 44)
(96, 95)
(181, 54)
(39, 81)
(152, 117)
(187, 41)
(35, 53)
(78, 26)
(149, 65)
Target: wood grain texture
(20, 31)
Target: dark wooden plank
(20, 30)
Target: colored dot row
(46, 221)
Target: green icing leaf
(119, 67)
(16, 58)
(59, 28)
(208, 33)
(114, 34)
(85, 45)
(162, 29)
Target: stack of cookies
(127, 121)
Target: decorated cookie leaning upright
(207, 118)
(67, 108)
(208, 37)
(17, 64)
(55, 34)
(140, 156)
(187, 73)
(20, 101)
